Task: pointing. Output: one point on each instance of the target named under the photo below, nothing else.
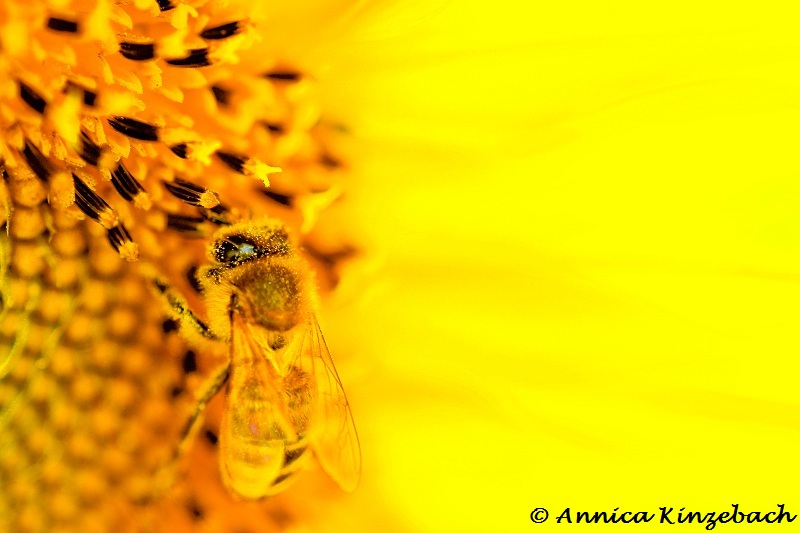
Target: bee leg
(213, 388)
(189, 322)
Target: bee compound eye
(234, 249)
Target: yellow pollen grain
(103, 354)
(36, 336)
(84, 388)
(122, 322)
(129, 251)
(13, 459)
(136, 362)
(30, 519)
(22, 370)
(260, 170)
(63, 416)
(80, 328)
(108, 218)
(94, 297)
(129, 291)
(65, 272)
(69, 242)
(202, 151)
(209, 200)
(28, 259)
(10, 325)
(18, 292)
(62, 190)
(138, 486)
(104, 422)
(90, 484)
(41, 388)
(120, 394)
(53, 471)
(7, 393)
(81, 446)
(39, 441)
(63, 505)
(142, 201)
(28, 193)
(54, 304)
(105, 261)
(26, 223)
(62, 361)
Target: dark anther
(160, 286)
(179, 150)
(176, 391)
(118, 236)
(169, 325)
(37, 161)
(196, 58)
(222, 96)
(66, 26)
(293, 455)
(137, 51)
(235, 162)
(89, 98)
(189, 362)
(282, 477)
(191, 277)
(135, 129)
(32, 98)
(274, 128)
(220, 32)
(185, 191)
(165, 5)
(211, 437)
(184, 224)
(277, 197)
(90, 152)
(87, 200)
(217, 215)
(283, 75)
(127, 186)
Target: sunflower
(131, 132)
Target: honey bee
(283, 396)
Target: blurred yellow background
(583, 284)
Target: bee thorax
(269, 295)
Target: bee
(284, 398)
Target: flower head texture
(131, 132)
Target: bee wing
(335, 439)
(256, 422)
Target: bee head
(239, 244)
